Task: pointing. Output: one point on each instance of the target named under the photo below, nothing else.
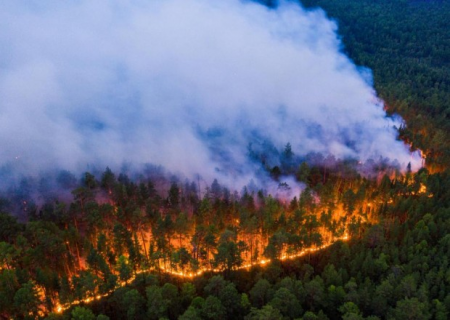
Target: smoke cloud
(188, 84)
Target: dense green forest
(406, 43)
(116, 230)
(131, 247)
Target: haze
(187, 84)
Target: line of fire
(116, 228)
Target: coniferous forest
(361, 240)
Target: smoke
(192, 85)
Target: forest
(406, 45)
(360, 241)
(117, 230)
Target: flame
(256, 241)
(423, 189)
(263, 262)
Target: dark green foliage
(260, 294)
(287, 303)
(266, 313)
(213, 309)
(397, 269)
(394, 269)
(80, 313)
(406, 44)
(9, 227)
(156, 304)
(134, 303)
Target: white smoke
(187, 84)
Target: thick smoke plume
(193, 85)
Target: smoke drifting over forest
(192, 85)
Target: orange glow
(60, 308)
(334, 227)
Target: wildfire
(423, 189)
(335, 230)
(263, 262)
(61, 308)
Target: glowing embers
(263, 262)
(59, 308)
(423, 190)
